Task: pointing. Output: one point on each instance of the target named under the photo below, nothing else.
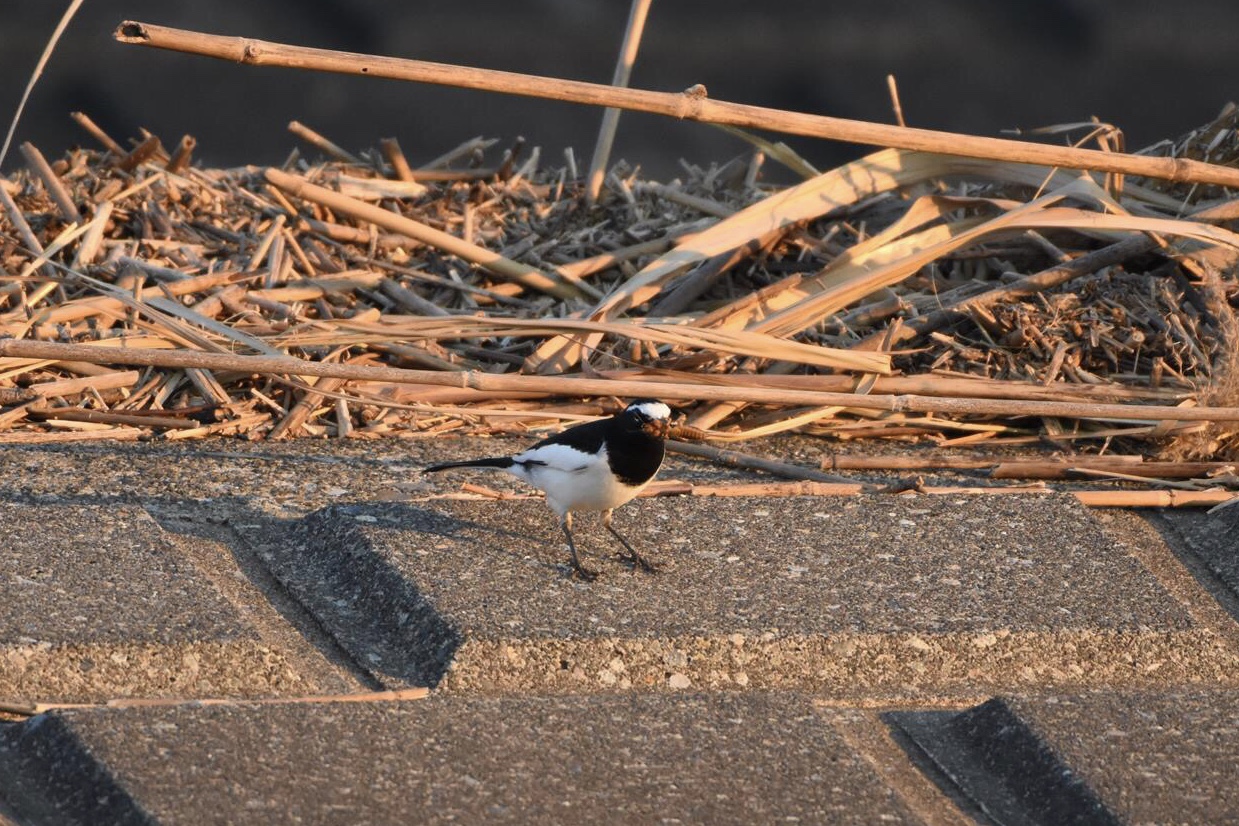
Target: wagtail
(596, 466)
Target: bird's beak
(659, 428)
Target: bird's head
(650, 416)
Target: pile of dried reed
(909, 295)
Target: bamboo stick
(572, 386)
(77, 414)
(903, 462)
(733, 458)
(1067, 468)
(689, 105)
(1089, 498)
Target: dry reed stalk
(75, 414)
(610, 116)
(322, 144)
(922, 385)
(55, 187)
(1067, 469)
(1089, 498)
(732, 458)
(140, 154)
(182, 155)
(390, 147)
(842, 462)
(72, 387)
(690, 105)
(105, 140)
(851, 287)
(572, 386)
(798, 488)
(48, 48)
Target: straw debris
(905, 295)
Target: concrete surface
(1113, 757)
(903, 659)
(720, 758)
(871, 596)
(98, 603)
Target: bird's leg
(635, 558)
(577, 568)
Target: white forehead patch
(654, 410)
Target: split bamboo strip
(571, 386)
(689, 105)
(494, 263)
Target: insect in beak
(658, 428)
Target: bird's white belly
(575, 481)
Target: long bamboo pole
(568, 385)
(693, 104)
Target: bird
(595, 466)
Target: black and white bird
(596, 466)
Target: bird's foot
(640, 563)
(582, 573)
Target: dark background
(1156, 69)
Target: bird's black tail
(497, 462)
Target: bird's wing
(556, 457)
